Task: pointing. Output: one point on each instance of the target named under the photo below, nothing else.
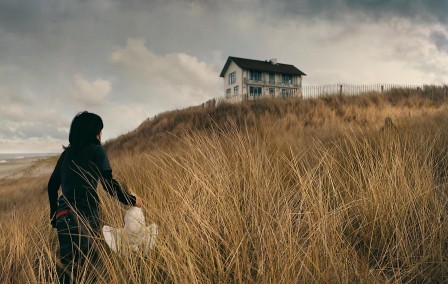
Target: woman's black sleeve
(53, 186)
(112, 187)
(109, 183)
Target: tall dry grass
(234, 208)
(270, 198)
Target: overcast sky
(128, 60)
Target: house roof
(260, 65)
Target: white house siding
(239, 79)
(245, 74)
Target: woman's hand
(138, 201)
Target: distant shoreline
(17, 164)
(15, 156)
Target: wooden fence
(309, 92)
(347, 89)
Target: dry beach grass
(267, 192)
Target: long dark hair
(84, 129)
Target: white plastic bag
(134, 237)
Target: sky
(128, 60)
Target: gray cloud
(376, 10)
(90, 93)
(12, 112)
(441, 40)
(422, 10)
(20, 122)
(19, 16)
(39, 130)
(175, 79)
(130, 59)
(15, 95)
(6, 132)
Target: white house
(256, 78)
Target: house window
(286, 93)
(228, 92)
(272, 78)
(272, 92)
(255, 91)
(232, 78)
(286, 79)
(255, 75)
(236, 90)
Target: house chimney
(273, 61)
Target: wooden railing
(309, 92)
(348, 89)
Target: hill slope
(271, 191)
(323, 117)
(298, 190)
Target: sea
(6, 158)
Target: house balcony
(269, 83)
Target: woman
(75, 213)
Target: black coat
(77, 172)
